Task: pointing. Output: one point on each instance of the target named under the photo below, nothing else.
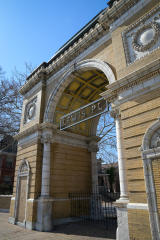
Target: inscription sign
(84, 113)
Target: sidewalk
(70, 231)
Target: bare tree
(107, 145)
(11, 101)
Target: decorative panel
(22, 199)
(143, 37)
(30, 110)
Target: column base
(44, 213)
(122, 219)
(12, 220)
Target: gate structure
(95, 204)
(114, 57)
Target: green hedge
(6, 189)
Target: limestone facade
(117, 59)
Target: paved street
(71, 231)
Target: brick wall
(137, 116)
(5, 201)
(34, 155)
(139, 225)
(70, 171)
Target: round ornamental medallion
(31, 110)
(146, 36)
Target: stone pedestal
(122, 220)
(44, 213)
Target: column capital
(115, 113)
(93, 148)
(46, 140)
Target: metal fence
(95, 205)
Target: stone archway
(68, 77)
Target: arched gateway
(114, 58)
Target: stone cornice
(37, 131)
(35, 128)
(133, 79)
(118, 9)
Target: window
(7, 180)
(9, 162)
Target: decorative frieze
(129, 82)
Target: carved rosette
(148, 26)
(93, 148)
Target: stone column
(93, 149)
(44, 206)
(121, 204)
(121, 156)
(95, 199)
(46, 167)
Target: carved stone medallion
(31, 110)
(145, 37)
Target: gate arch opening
(75, 71)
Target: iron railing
(94, 204)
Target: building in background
(102, 175)
(116, 185)
(8, 152)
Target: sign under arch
(84, 113)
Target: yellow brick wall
(5, 202)
(11, 211)
(61, 209)
(137, 116)
(106, 54)
(139, 225)
(70, 169)
(70, 172)
(31, 215)
(34, 155)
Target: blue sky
(32, 31)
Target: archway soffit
(83, 65)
